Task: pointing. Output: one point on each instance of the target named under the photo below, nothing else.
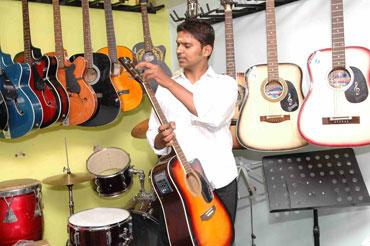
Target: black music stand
(312, 180)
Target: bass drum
(145, 229)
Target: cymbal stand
(68, 171)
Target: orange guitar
(129, 91)
(193, 214)
(82, 98)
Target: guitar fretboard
(59, 51)
(337, 34)
(148, 44)
(26, 32)
(110, 31)
(229, 42)
(272, 56)
(88, 52)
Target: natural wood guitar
(269, 114)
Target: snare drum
(111, 168)
(21, 215)
(100, 226)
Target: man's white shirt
(205, 137)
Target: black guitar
(3, 115)
(97, 74)
(145, 51)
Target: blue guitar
(24, 109)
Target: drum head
(18, 186)
(98, 217)
(108, 161)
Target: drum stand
(143, 198)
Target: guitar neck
(337, 34)
(144, 16)
(59, 50)
(110, 31)
(162, 118)
(26, 32)
(88, 53)
(229, 41)
(272, 56)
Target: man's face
(190, 51)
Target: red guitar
(39, 83)
(193, 214)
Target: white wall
(302, 27)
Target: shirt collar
(209, 73)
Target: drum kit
(111, 174)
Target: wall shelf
(98, 4)
(240, 8)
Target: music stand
(312, 180)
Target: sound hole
(339, 78)
(273, 90)
(91, 76)
(193, 183)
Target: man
(199, 105)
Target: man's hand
(154, 71)
(165, 135)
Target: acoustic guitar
(82, 98)
(269, 114)
(336, 110)
(16, 91)
(97, 74)
(43, 88)
(230, 67)
(145, 51)
(193, 214)
(129, 91)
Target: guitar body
(268, 117)
(43, 89)
(129, 90)
(350, 98)
(82, 98)
(155, 56)
(51, 76)
(191, 219)
(240, 78)
(21, 114)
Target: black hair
(201, 31)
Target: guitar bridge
(341, 120)
(274, 118)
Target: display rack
(98, 4)
(240, 8)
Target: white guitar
(269, 115)
(337, 108)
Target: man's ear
(207, 50)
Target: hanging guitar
(43, 88)
(269, 115)
(82, 98)
(336, 110)
(145, 51)
(193, 214)
(16, 91)
(230, 67)
(97, 74)
(129, 91)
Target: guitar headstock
(192, 8)
(129, 65)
